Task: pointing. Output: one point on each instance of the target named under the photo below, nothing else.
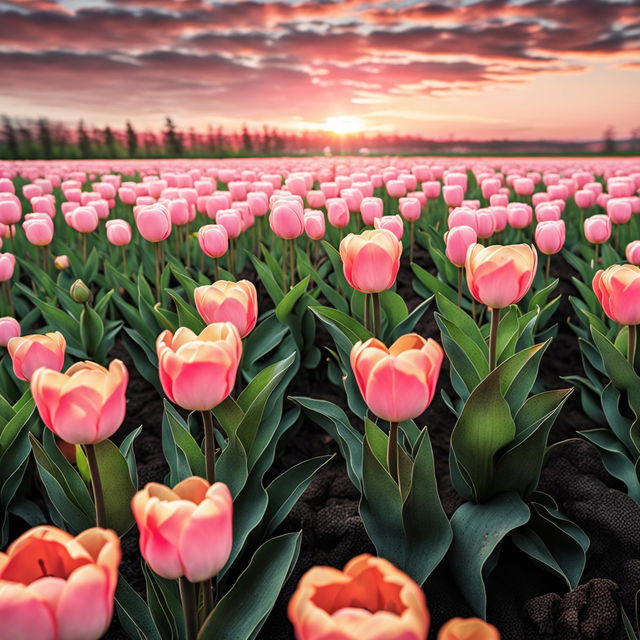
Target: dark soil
(524, 601)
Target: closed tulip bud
(468, 629)
(489, 187)
(213, 240)
(519, 215)
(370, 209)
(127, 195)
(186, 531)
(392, 223)
(61, 262)
(154, 222)
(618, 291)
(7, 266)
(57, 587)
(287, 219)
(259, 203)
(330, 189)
(82, 219)
(44, 204)
(84, 405)
(9, 328)
(369, 599)
(548, 211)
(231, 220)
(338, 212)
(396, 188)
(314, 224)
(371, 260)
(38, 228)
(431, 189)
(523, 186)
(198, 372)
(499, 276)
(118, 232)
(585, 198)
(397, 383)
(458, 240)
(501, 217)
(31, 191)
(632, 252)
(597, 229)
(80, 292)
(462, 216)
(485, 223)
(225, 301)
(28, 353)
(619, 210)
(550, 236)
(499, 200)
(410, 209)
(453, 195)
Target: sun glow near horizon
(344, 124)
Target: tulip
(458, 240)
(618, 291)
(462, 216)
(154, 222)
(287, 219)
(9, 328)
(453, 195)
(392, 223)
(468, 629)
(632, 252)
(597, 229)
(519, 215)
(431, 189)
(82, 219)
(7, 266)
(57, 587)
(485, 223)
(226, 301)
(10, 210)
(119, 235)
(314, 224)
(28, 353)
(61, 262)
(584, 198)
(396, 188)
(38, 229)
(498, 276)
(523, 186)
(370, 209)
(397, 383)
(231, 220)
(550, 237)
(337, 212)
(369, 599)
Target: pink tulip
(314, 224)
(330, 189)
(370, 209)
(31, 191)
(489, 187)
(127, 195)
(501, 217)
(82, 219)
(585, 198)
(548, 211)
(231, 220)
(61, 262)
(43, 204)
(618, 291)
(10, 211)
(523, 186)
(118, 232)
(258, 203)
(462, 216)
(485, 223)
(632, 252)
(550, 236)
(597, 229)
(225, 301)
(9, 328)
(392, 223)
(38, 227)
(185, 531)
(154, 222)
(28, 353)
(519, 215)
(410, 209)
(396, 188)
(458, 241)
(619, 210)
(7, 266)
(287, 219)
(453, 195)
(431, 189)
(499, 200)
(180, 211)
(337, 212)
(213, 240)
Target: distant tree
(635, 139)
(109, 142)
(266, 140)
(44, 139)
(84, 141)
(172, 138)
(210, 140)
(132, 140)
(609, 144)
(247, 143)
(10, 138)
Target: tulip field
(322, 398)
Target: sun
(344, 124)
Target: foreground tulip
(57, 587)
(369, 599)
(28, 353)
(226, 301)
(397, 383)
(9, 328)
(468, 629)
(499, 276)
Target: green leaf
(245, 607)
(287, 304)
(133, 613)
(187, 316)
(433, 284)
(91, 330)
(478, 531)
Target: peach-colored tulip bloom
(369, 599)
(500, 275)
(57, 587)
(618, 291)
(371, 260)
(198, 372)
(468, 629)
(185, 531)
(397, 383)
(37, 350)
(226, 301)
(84, 405)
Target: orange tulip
(500, 275)
(187, 530)
(225, 301)
(86, 404)
(198, 372)
(369, 600)
(371, 260)
(468, 629)
(36, 350)
(618, 291)
(57, 587)
(397, 383)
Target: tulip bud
(458, 241)
(80, 292)
(213, 240)
(225, 301)
(9, 328)
(61, 262)
(550, 236)
(618, 291)
(597, 229)
(632, 252)
(314, 224)
(392, 223)
(7, 266)
(468, 629)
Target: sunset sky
(466, 68)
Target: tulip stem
(618, 237)
(292, 262)
(208, 593)
(209, 446)
(216, 270)
(547, 268)
(596, 256)
(124, 260)
(631, 347)
(96, 485)
(459, 286)
(392, 450)
(411, 236)
(493, 338)
(367, 312)
(84, 247)
(188, 597)
(376, 315)
(7, 288)
(157, 250)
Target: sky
(482, 69)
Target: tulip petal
(23, 615)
